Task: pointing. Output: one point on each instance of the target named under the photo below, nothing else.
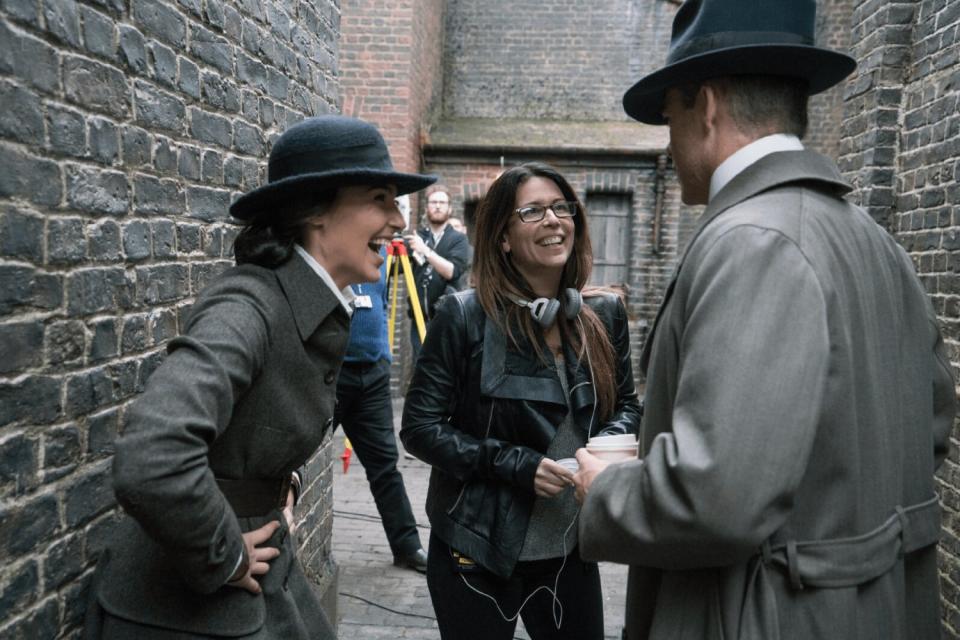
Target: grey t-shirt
(551, 517)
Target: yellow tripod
(399, 249)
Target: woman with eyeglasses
(513, 376)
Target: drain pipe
(660, 182)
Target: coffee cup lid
(611, 445)
(616, 437)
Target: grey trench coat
(246, 392)
(798, 401)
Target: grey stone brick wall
(127, 127)
(826, 109)
(901, 148)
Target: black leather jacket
(483, 414)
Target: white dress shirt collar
(746, 156)
(345, 295)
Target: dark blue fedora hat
(325, 152)
(714, 38)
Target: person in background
(403, 203)
(207, 468)
(515, 375)
(798, 393)
(440, 256)
(365, 409)
(463, 282)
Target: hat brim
(264, 198)
(821, 68)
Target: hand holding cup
(551, 478)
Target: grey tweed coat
(798, 401)
(247, 391)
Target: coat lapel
(774, 170)
(581, 385)
(427, 236)
(497, 382)
(445, 239)
(311, 300)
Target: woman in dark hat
(514, 376)
(207, 468)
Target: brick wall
(128, 126)
(826, 109)
(390, 70)
(555, 59)
(391, 76)
(900, 147)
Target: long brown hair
(495, 275)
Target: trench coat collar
(773, 170)
(496, 382)
(310, 299)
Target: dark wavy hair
(495, 275)
(267, 239)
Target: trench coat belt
(250, 497)
(846, 562)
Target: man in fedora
(798, 395)
(210, 462)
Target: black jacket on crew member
(483, 414)
(431, 285)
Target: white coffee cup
(613, 452)
(570, 464)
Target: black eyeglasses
(536, 212)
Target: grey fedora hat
(324, 152)
(714, 38)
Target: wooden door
(610, 233)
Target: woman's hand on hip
(551, 479)
(258, 558)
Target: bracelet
(242, 567)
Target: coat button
(330, 377)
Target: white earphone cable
(593, 385)
(557, 605)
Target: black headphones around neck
(545, 310)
